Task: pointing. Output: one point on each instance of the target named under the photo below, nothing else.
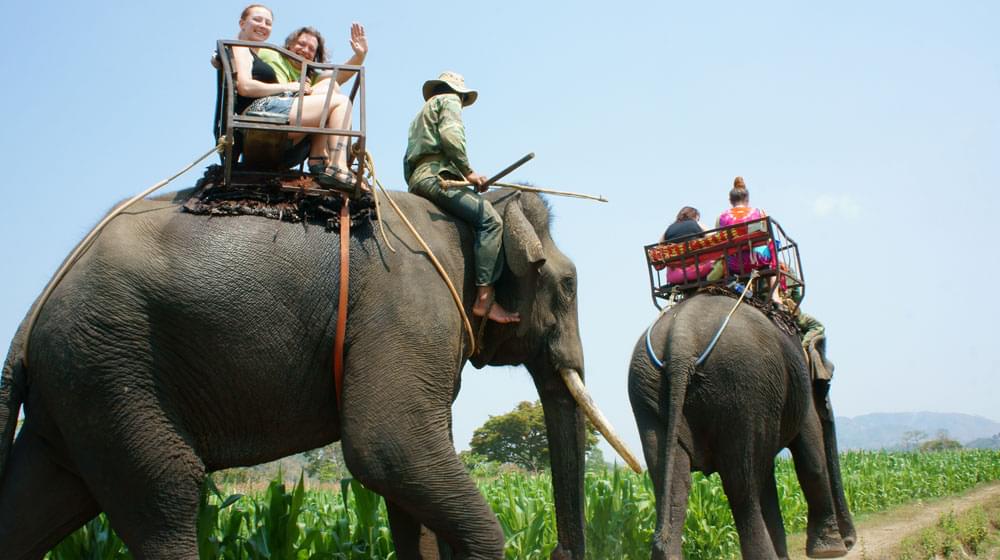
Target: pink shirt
(740, 214)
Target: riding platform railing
(723, 256)
(255, 144)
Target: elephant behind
(732, 414)
(179, 345)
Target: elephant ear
(522, 248)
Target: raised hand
(359, 42)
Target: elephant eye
(568, 286)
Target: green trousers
(476, 211)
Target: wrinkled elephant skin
(732, 414)
(181, 344)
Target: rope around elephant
(370, 165)
(89, 240)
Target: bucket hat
(455, 83)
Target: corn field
(349, 523)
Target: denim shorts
(280, 104)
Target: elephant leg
(741, 480)
(433, 489)
(670, 509)
(413, 541)
(150, 488)
(844, 520)
(41, 503)
(823, 538)
(771, 508)
(399, 446)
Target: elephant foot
(662, 552)
(848, 533)
(561, 553)
(828, 544)
(824, 541)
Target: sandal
(332, 177)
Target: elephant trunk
(596, 417)
(566, 430)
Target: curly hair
(320, 44)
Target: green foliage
(954, 536)
(912, 438)
(325, 464)
(941, 443)
(351, 523)
(93, 541)
(478, 465)
(595, 460)
(519, 437)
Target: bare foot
(493, 311)
(500, 315)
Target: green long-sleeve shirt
(436, 141)
(810, 328)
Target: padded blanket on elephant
(780, 317)
(272, 198)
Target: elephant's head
(539, 282)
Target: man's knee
(491, 218)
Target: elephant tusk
(596, 417)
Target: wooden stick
(448, 184)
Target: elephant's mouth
(582, 397)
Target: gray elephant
(751, 397)
(179, 345)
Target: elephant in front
(179, 344)
(750, 398)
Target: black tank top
(260, 71)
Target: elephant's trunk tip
(579, 391)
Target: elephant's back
(747, 380)
(227, 311)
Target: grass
(972, 534)
(349, 522)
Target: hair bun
(739, 184)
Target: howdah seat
(722, 256)
(257, 147)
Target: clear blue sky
(870, 130)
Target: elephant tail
(13, 385)
(676, 375)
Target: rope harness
(89, 240)
(345, 273)
(725, 323)
(370, 165)
(715, 339)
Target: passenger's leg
(340, 117)
(312, 114)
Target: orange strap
(345, 268)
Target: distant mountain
(885, 430)
(986, 443)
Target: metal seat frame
(722, 243)
(228, 123)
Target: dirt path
(879, 535)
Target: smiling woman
(259, 89)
